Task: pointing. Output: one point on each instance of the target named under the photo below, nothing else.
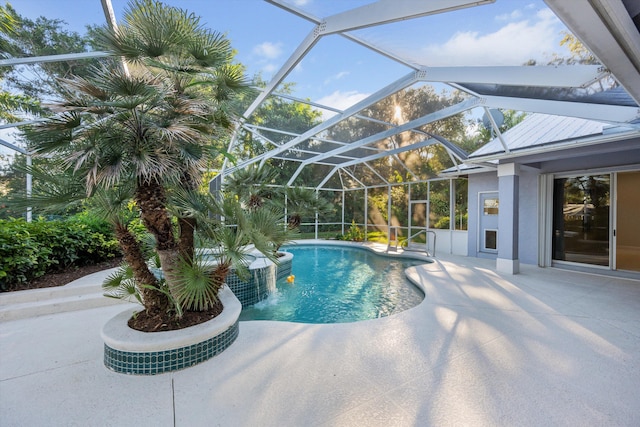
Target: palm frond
(121, 285)
(268, 231)
(197, 286)
(210, 49)
(56, 191)
(111, 204)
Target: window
(491, 206)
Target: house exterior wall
(528, 227)
(478, 183)
(528, 212)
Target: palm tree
(302, 202)
(252, 185)
(149, 129)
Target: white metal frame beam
(394, 5)
(415, 146)
(615, 114)
(394, 87)
(332, 109)
(295, 58)
(429, 118)
(387, 11)
(606, 28)
(547, 76)
(52, 58)
(381, 12)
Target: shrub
(354, 233)
(30, 250)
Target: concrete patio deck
(545, 347)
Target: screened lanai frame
(575, 90)
(605, 26)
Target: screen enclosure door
(418, 220)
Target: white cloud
(268, 50)
(337, 76)
(513, 44)
(266, 53)
(269, 68)
(516, 14)
(340, 100)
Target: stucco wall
(528, 212)
(478, 183)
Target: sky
(337, 71)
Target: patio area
(544, 347)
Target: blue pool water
(336, 284)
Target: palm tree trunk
(294, 221)
(152, 202)
(152, 298)
(186, 242)
(187, 225)
(169, 260)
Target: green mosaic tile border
(157, 362)
(256, 287)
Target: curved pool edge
(378, 249)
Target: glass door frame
(545, 218)
(611, 227)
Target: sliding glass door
(581, 219)
(628, 221)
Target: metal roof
(540, 129)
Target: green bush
(30, 250)
(354, 233)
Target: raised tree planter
(148, 353)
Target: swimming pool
(337, 284)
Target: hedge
(31, 249)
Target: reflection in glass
(581, 219)
(491, 206)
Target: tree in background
(10, 103)
(483, 134)
(28, 88)
(40, 37)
